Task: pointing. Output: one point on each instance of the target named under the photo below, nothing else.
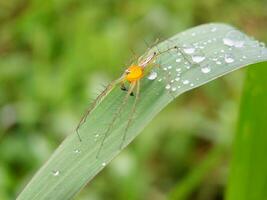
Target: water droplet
(168, 86)
(205, 70)
(262, 44)
(213, 29)
(169, 67)
(189, 50)
(104, 164)
(185, 82)
(228, 42)
(228, 59)
(174, 89)
(234, 39)
(192, 84)
(198, 59)
(177, 79)
(218, 62)
(152, 76)
(77, 151)
(178, 69)
(239, 44)
(55, 173)
(178, 60)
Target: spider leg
(117, 113)
(98, 99)
(131, 113)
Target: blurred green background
(55, 55)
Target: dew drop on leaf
(185, 82)
(55, 172)
(168, 86)
(205, 70)
(198, 59)
(152, 76)
(228, 59)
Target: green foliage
(249, 166)
(54, 55)
(75, 163)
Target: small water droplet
(168, 86)
(177, 79)
(228, 59)
(198, 59)
(104, 164)
(77, 151)
(152, 76)
(185, 82)
(189, 50)
(169, 67)
(55, 172)
(213, 29)
(218, 62)
(205, 70)
(178, 60)
(174, 89)
(192, 84)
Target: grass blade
(205, 53)
(184, 189)
(248, 177)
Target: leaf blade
(248, 172)
(74, 164)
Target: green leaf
(205, 53)
(184, 189)
(248, 176)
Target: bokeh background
(56, 54)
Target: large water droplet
(189, 50)
(234, 39)
(228, 42)
(152, 76)
(198, 59)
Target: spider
(133, 75)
